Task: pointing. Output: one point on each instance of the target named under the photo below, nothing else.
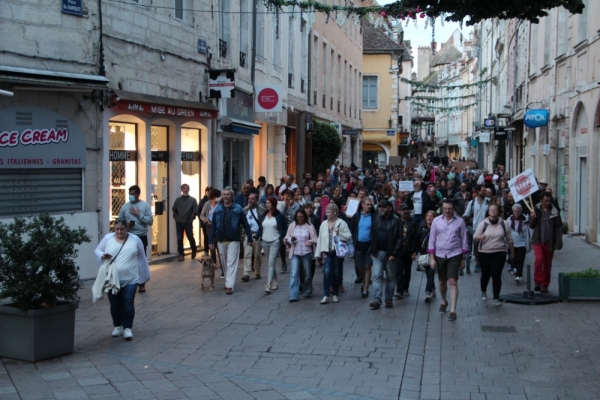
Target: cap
(403, 206)
(488, 178)
(543, 182)
(386, 203)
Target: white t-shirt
(126, 262)
(251, 221)
(418, 202)
(270, 232)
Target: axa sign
(536, 118)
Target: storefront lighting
(6, 93)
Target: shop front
(374, 153)
(158, 144)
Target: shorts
(362, 257)
(448, 268)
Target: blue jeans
(122, 310)
(271, 249)
(296, 263)
(332, 273)
(189, 232)
(381, 263)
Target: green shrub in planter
(39, 276)
(583, 285)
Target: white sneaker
(335, 299)
(117, 331)
(127, 334)
(483, 296)
(433, 294)
(518, 279)
(325, 300)
(497, 303)
(397, 295)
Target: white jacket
(107, 280)
(323, 242)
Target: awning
(238, 126)
(65, 81)
(148, 104)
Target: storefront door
(190, 173)
(123, 164)
(160, 190)
(236, 156)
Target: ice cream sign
(33, 136)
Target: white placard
(523, 185)
(351, 206)
(405, 186)
(484, 137)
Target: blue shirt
(364, 228)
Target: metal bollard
(528, 294)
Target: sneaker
(127, 334)
(477, 269)
(483, 296)
(222, 276)
(268, 288)
(427, 297)
(398, 296)
(117, 331)
(518, 279)
(406, 293)
(433, 294)
(274, 285)
(335, 299)
(365, 295)
(325, 300)
(497, 303)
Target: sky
(419, 36)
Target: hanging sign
(221, 83)
(501, 133)
(523, 185)
(536, 118)
(484, 137)
(268, 99)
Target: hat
(283, 178)
(488, 178)
(543, 182)
(403, 206)
(386, 203)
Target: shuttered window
(35, 191)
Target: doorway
(236, 153)
(160, 189)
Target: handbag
(343, 249)
(423, 261)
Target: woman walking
(128, 258)
(492, 236)
(272, 228)
(300, 239)
(330, 229)
(521, 234)
(269, 192)
(423, 237)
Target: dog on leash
(207, 270)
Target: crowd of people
(367, 217)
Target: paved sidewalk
(196, 344)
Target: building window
(224, 28)
(291, 50)
(582, 29)
(244, 32)
(260, 32)
(369, 92)
(179, 9)
(276, 45)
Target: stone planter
(35, 335)
(578, 288)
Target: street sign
(391, 132)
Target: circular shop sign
(268, 98)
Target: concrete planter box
(578, 288)
(35, 335)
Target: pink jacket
(290, 232)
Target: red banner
(169, 111)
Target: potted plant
(39, 276)
(583, 285)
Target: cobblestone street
(196, 344)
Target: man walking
(477, 209)
(184, 212)
(407, 247)
(227, 221)
(138, 215)
(384, 233)
(447, 249)
(415, 202)
(547, 237)
(461, 199)
(253, 213)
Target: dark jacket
(369, 182)
(390, 246)
(407, 242)
(430, 205)
(281, 224)
(354, 222)
(231, 232)
(460, 202)
(315, 221)
(422, 238)
(556, 242)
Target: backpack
(485, 225)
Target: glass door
(122, 164)
(235, 162)
(160, 190)
(190, 173)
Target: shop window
(160, 189)
(190, 171)
(123, 163)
